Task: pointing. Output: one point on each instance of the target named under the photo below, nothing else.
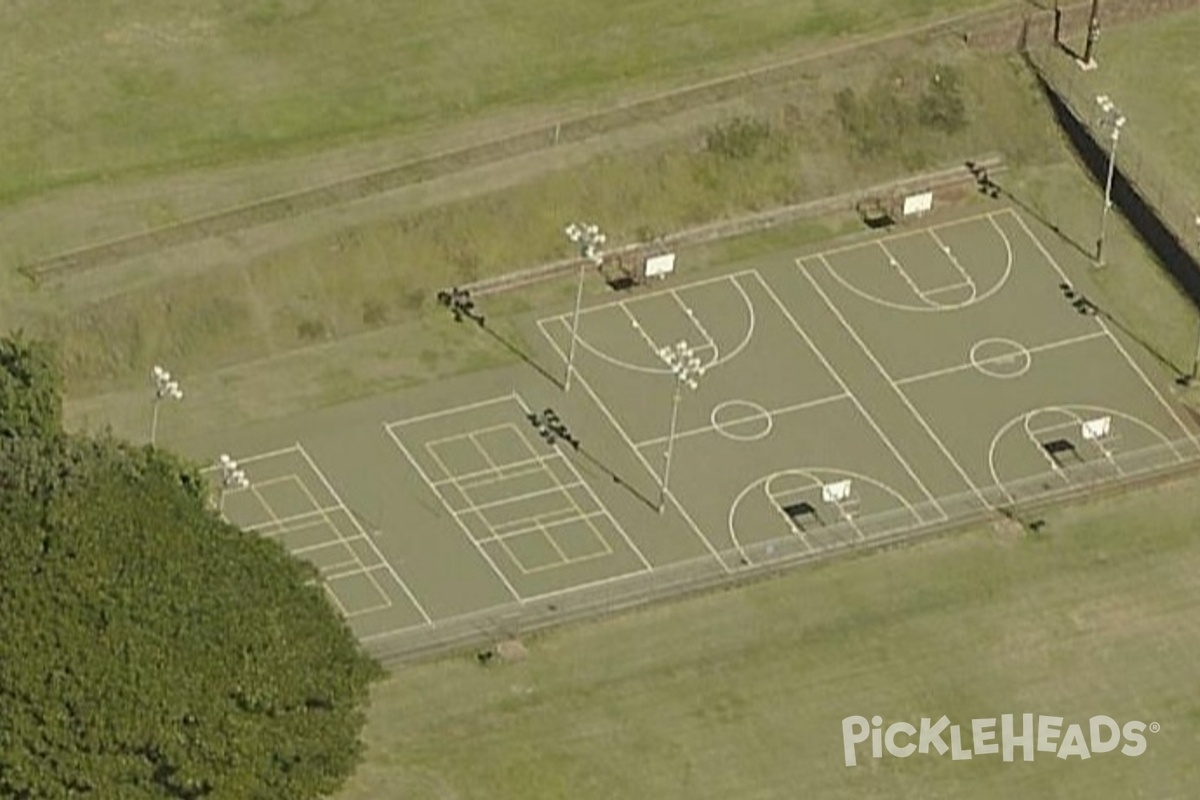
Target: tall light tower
(589, 239)
(165, 388)
(1190, 379)
(686, 367)
(1114, 119)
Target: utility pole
(1093, 36)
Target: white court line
(604, 409)
(447, 411)
(251, 459)
(1116, 342)
(458, 437)
(904, 235)
(354, 562)
(341, 537)
(845, 388)
(945, 248)
(587, 518)
(592, 495)
(937, 373)
(489, 475)
(429, 451)
(505, 528)
(332, 595)
(263, 484)
(504, 501)
(287, 523)
(691, 315)
(266, 506)
(540, 522)
(354, 521)
(899, 267)
(947, 288)
(1074, 425)
(511, 555)
(454, 514)
(648, 296)
(337, 543)
(900, 393)
(562, 557)
(637, 326)
(482, 451)
(775, 412)
(1055, 467)
(524, 470)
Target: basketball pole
(574, 328)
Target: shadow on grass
(990, 188)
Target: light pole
(686, 367)
(589, 238)
(1114, 118)
(165, 388)
(1191, 378)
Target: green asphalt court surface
(841, 397)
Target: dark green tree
(149, 649)
(30, 389)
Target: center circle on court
(741, 420)
(1001, 358)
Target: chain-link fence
(1017, 501)
(1175, 202)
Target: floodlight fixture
(686, 367)
(589, 237)
(1112, 117)
(165, 388)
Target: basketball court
(795, 407)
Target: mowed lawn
(741, 694)
(103, 90)
(1152, 71)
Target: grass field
(1161, 94)
(140, 87)
(318, 279)
(741, 694)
